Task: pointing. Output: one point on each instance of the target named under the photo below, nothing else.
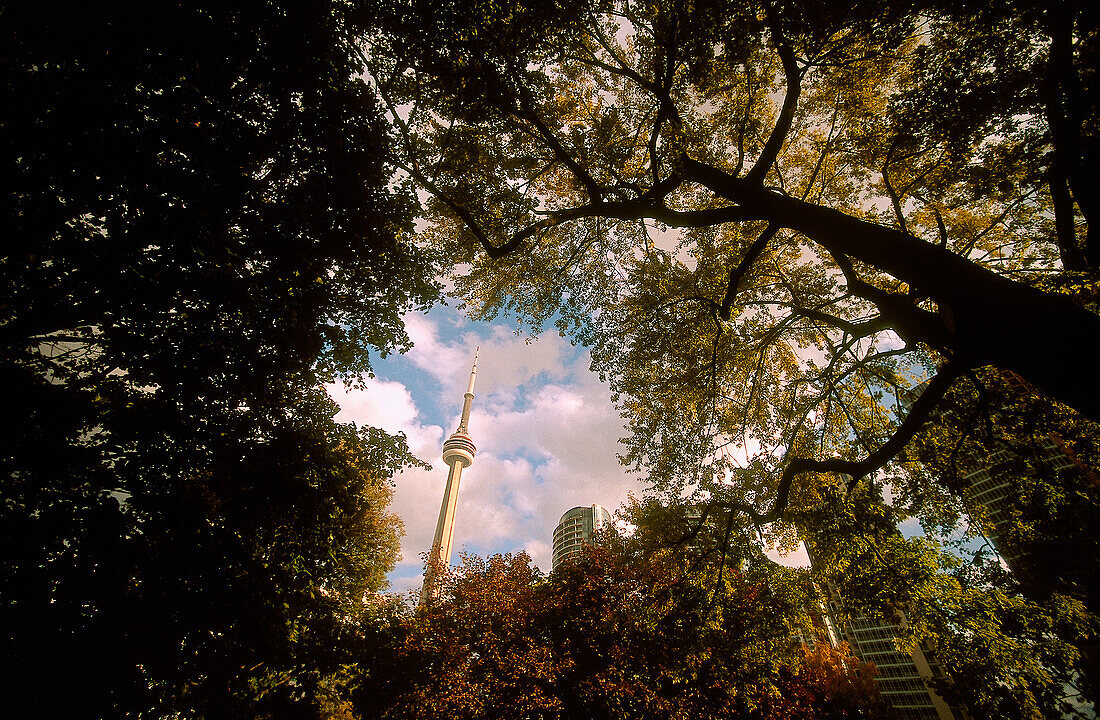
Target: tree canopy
(791, 233)
(617, 634)
(1006, 653)
(770, 221)
(199, 233)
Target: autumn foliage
(615, 636)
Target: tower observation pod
(458, 453)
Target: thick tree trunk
(991, 319)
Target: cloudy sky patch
(545, 429)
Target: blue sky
(544, 425)
(546, 432)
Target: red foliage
(615, 636)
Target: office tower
(458, 453)
(995, 459)
(990, 493)
(576, 527)
(901, 676)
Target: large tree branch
(618, 210)
(738, 271)
(895, 199)
(45, 323)
(856, 330)
(661, 189)
(659, 87)
(637, 210)
(825, 149)
(992, 319)
(592, 188)
(912, 323)
(1065, 231)
(466, 215)
(667, 110)
(413, 169)
(663, 113)
(858, 469)
(778, 136)
(622, 67)
(1067, 109)
(1065, 129)
(743, 124)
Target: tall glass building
(901, 676)
(994, 472)
(576, 527)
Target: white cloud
(537, 549)
(888, 340)
(546, 431)
(385, 405)
(797, 558)
(544, 426)
(428, 353)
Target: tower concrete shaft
(458, 453)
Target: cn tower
(458, 453)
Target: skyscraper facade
(990, 493)
(996, 462)
(576, 527)
(1014, 466)
(901, 676)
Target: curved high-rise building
(458, 453)
(576, 527)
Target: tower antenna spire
(468, 398)
(458, 453)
